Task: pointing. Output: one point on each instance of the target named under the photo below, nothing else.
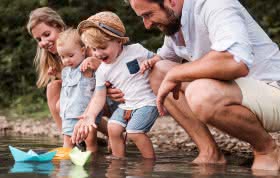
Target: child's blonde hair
(102, 27)
(44, 59)
(70, 35)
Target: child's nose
(65, 61)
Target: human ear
(170, 3)
(173, 3)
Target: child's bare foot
(269, 161)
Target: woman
(44, 25)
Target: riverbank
(166, 134)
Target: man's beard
(173, 24)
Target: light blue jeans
(68, 124)
(142, 119)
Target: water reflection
(78, 171)
(116, 169)
(207, 170)
(35, 167)
(168, 164)
(59, 169)
(266, 174)
(126, 168)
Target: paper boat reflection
(40, 168)
(20, 156)
(78, 171)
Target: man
(229, 80)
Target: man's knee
(203, 99)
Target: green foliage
(17, 48)
(267, 14)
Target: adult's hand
(168, 85)
(114, 93)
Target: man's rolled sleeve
(227, 30)
(167, 52)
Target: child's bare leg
(67, 143)
(102, 126)
(91, 140)
(143, 143)
(116, 139)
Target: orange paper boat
(62, 153)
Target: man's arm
(214, 65)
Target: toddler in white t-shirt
(124, 66)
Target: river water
(168, 164)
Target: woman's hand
(114, 93)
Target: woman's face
(46, 36)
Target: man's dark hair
(159, 2)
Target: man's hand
(114, 93)
(83, 127)
(165, 88)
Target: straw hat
(106, 21)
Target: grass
(20, 110)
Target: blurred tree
(17, 48)
(267, 14)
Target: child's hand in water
(149, 63)
(90, 63)
(82, 128)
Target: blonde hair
(44, 59)
(69, 35)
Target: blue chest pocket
(133, 66)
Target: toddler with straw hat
(125, 67)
